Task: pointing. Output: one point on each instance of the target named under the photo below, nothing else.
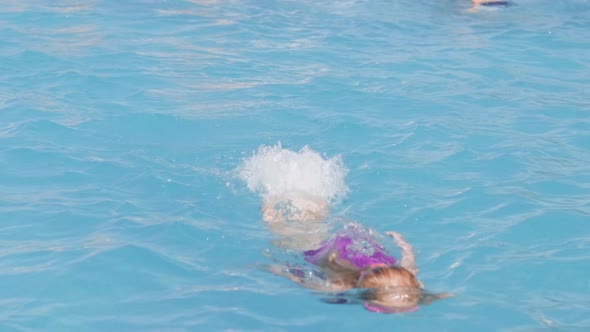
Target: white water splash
(276, 172)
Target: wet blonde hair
(391, 286)
(387, 276)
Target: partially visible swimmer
(296, 189)
(354, 259)
(489, 4)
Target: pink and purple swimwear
(354, 244)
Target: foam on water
(273, 171)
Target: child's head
(391, 286)
(387, 276)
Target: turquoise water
(122, 125)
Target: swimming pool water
(123, 125)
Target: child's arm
(311, 281)
(408, 260)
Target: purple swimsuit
(354, 244)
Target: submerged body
(496, 4)
(354, 258)
(297, 189)
(489, 4)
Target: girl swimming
(354, 259)
(297, 189)
(488, 3)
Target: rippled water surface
(122, 125)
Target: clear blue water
(122, 124)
